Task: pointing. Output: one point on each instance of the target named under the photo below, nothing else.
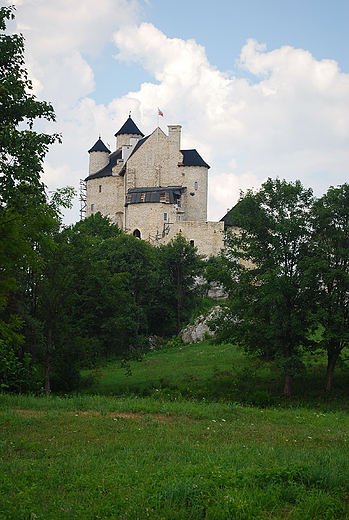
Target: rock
(199, 329)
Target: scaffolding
(83, 199)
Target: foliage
(26, 217)
(22, 151)
(180, 267)
(17, 375)
(264, 271)
(112, 272)
(330, 264)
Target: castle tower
(128, 130)
(152, 188)
(99, 157)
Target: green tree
(22, 150)
(179, 272)
(23, 220)
(263, 269)
(113, 276)
(330, 263)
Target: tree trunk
(331, 363)
(48, 361)
(288, 384)
(288, 378)
(179, 301)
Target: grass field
(168, 452)
(104, 458)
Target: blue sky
(223, 27)
(261, 88)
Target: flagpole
(157, 127)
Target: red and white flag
(160, 113)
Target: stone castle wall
(208, 237)
(106, 195)
(158, 162)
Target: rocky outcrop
(199, 330)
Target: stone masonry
(153, 189)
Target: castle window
(100, 188)
(165, 216)
(196, 185)
(92, 207)
(137, 233)
(164, 197)
(192, 243)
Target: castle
(153, 189)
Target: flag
(160, 113)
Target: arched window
(137, 233)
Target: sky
(260, 87)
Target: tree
(22, 150)
(330, 263)
(180, 265)
(22, 193)
(264, 272)
(113, 276)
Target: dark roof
(169, 195)
(227, 219)
(129, 128)
(192, 158)
(99, 146)
(107, 170)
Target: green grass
(178, 440)
(220, 372)
(105, 458)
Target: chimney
(174, 134)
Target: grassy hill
(219, 372)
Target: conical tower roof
(99, 146)
(129, 127)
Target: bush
(16, 375)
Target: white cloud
(291, 121)
(58, 34)
(56, 28)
